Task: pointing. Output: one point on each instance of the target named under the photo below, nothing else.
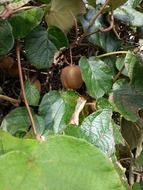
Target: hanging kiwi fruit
(71, 77)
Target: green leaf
(92, 2)
(24, 21)
(113, 4)
(135, 71)
(57, 37)
(139, 160)
(136, 3)
(39, 48)
(86, 19)
(6, 37)
(116, 4)
(137, 186)
(10, 143)
(117, 134)
(133, 3)
(105, 40)
(32, 94)
(62, 9)
(97, 128)
(47, 161)
(96, 75)
(74, 130)
(126, 100)
(16, 121)
(12, 4)
(45, 1)
(103, 103)
(110, 61)
(39, 124)
(131, 133)
(57, 110)
(129, 16)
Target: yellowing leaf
(62, 13)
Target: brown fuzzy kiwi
(71, 77)
(6, 62)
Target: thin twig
(26, 8)
(9, 99)
(96, 16)
(34, 71)
(23, 91)
(119, 73)
(93, 21)
(79, 39)
(111, 24)
(71, 60)
(112, 53)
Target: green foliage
(105, 40)
(6, 37)
(97, 128)
(62, 9)
(93, 72)
(56, 110)
(61, 154)
(41, 45)
(32, 94)
(24, 21)
(82, 129)
(129, 16)
(126, 100)
(16, 120)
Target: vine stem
(23, 91)
(119, 73)
(9, 99)
(112, 53)
(96, 16)
(93, 21)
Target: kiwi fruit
(71, 77)
(6, 62)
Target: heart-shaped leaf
(113, 4)
(16, 121)
(96, 75)
(6, 37)
(129, 15)
(29, 161)
(126, 100)
(56, 110)
(57, 37)
(116, 4)
(39, 48)
(32, 93)
(41, 45)
(105, 40)
(135, 71)
(24, 21)
(62, 9)
(97, 128)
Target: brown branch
(96, 16)
(93, 20)
(119, 73)
(9, 99)
(111, 21)
(23, 91)
(78, 40)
